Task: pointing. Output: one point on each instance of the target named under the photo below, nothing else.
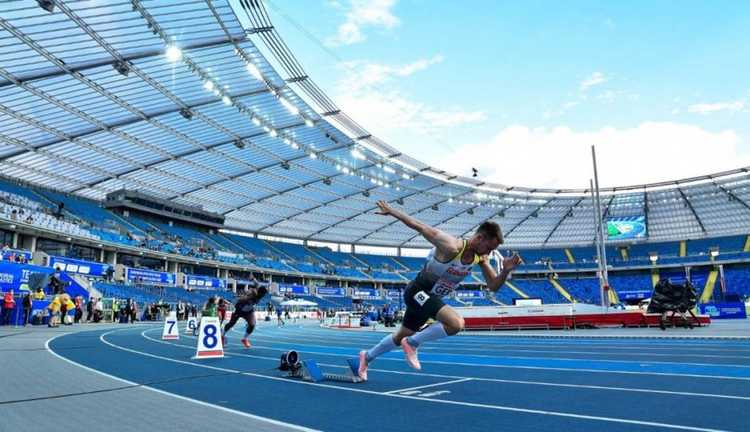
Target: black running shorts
(420, 306)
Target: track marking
(458, 377)
(441, 401)
(428, 385)
(195, 401)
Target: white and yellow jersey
(441, 278)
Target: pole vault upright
(601, 250)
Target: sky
(521, 90)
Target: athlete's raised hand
(512, 262)
(385, 208)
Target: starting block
(311, 372)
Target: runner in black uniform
(448, 263)
(245, 308)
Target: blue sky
(522, 89)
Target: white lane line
(428, 386)
(162, 392)
(509, 348)
(423, 400)
(494, 380)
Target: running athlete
(245, 308)
(448, 263)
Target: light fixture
(173, 53)
(47, 5)
(186, 113)
(653, 257)
(389, 170)
(714, 253)
(226, 100)
(273, 133)
(254, 71)
(313, 155)
(288, 105)
(121, 67)
(405, 176)
(345, 170)
(356, 154)
(256, 121)
(295, 145)
(309, 122)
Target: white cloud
(706, 108)
(364, 94)
(595, 79)
(363, 14)
(389, 114)
(561, 157)
(361, 74)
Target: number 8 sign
(209, 339)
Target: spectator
(79, 309)
(54, 312)
(27, 304)
(9, 303)
(98, 310)
(133, 311)
(89, 309)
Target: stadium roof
(176, 100)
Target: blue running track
(483, 383)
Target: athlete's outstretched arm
(444, 242)
(495, 280)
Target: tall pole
(600, 227)
(597, 242)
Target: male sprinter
(448, 263)
(245, 308)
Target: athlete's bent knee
(454, 326)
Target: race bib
(421, 297)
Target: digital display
(624, 228)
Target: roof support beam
(128, 58)
(690, 206)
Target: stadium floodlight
(356, 154)
(226, 100)
(295, 145)
(653, 257)
(288, 105)
(388, 169)
(273, 133)
(208, 85)
(173, 53)
(254, 71)
(256, 121)
(313, 155)
(714, 253)
(47, 5)
(309, 122)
